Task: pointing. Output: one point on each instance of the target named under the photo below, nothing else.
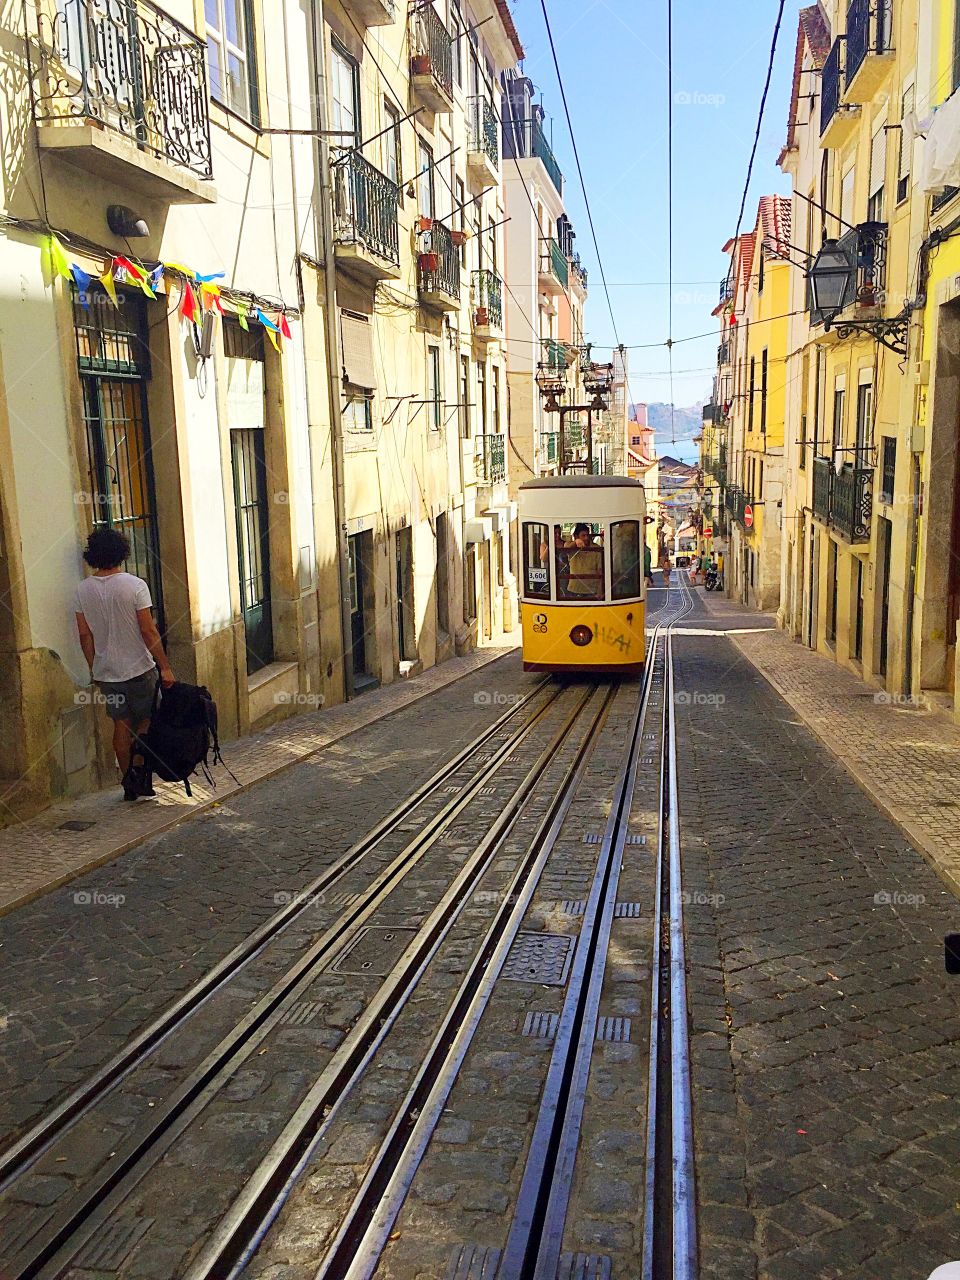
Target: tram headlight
(581, 634)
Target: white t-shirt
(110, 606)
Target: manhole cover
(373, 952)
(540, 957)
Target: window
(889, 471)
(878, 172)
(839, 396)
(357, 410)
(634, 440)
(578, 548)
(482, 395)
(760, 272)
(391, 143)
(425, 180)
(824, 185)
(461, 219)
(465, 425)
(433, 388)
(536, 561)
(803, 442)
(759, 493)
(864, 423)
(456, 26)
(752, 392)
(906, 147)
(763, 390)
(817, 401)
(495, 383)
(846, 197)
(231, 55)
(492, 232)
(625, 559)
(344, 97)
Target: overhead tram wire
(763, 104)
(673, 427)
(583, 185)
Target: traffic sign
(708, 530)
(748, 516)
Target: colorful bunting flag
(284, 327)
(214, 275)
(267, 324)
(82, 279)
(109, 284)
(242, 316)
(156, 278)
(188, 304)
(136, 273)
(58, 259)
(272, 335)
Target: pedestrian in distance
(647, 566)
(121, 644)
(665, 570)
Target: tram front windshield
(578, 555)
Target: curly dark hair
(105, 549)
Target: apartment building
(310, 463)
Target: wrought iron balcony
(822, 471)
(554, 271)
(865, 248)
(869, 32)
(124, 66)
(851, 502)
(365, 208)
(483, 151)
(525, 139)
(830, 85)
(578, 270)
(723, 353)
(487, 301)
(431, 66)
(554, 355)
(726, 290)
(492, 458)
(438, 264)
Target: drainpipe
(907, 688)
(332, 346)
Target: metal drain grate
(451, 791)
(19, 1223)
(539, 957)
(616, 1029)
(593, 837)
(541, 1026)
(108, 1248)
(344, 899)
(574, 906)
(300, 1014)
(584, 1266)
(635, 840)
(472, 1262)
(487, 791)
(373, 952)
(627, 911)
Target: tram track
(50, 1250)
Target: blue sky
(612, 54)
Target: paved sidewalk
(74, 836)
(906, 757)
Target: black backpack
(182, 736)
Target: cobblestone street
(410, 1013)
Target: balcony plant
(483, 316)
(424, 224)
(428, 262)
(459, 238)
(421, 64)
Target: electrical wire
(763, 104)
(673, 425)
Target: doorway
(858, 576)
(360, 552)
(884, 540)
(443, 575)
(406, 647)
(253, 544)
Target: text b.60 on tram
(583, 590)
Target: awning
(480, 529)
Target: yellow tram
(583, 594)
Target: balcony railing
(723, 353)
(869, 25)
(482, 121)
(439, 262)
(548, 444)
(726, 290)
(553, 261)
(821, 488)
(830, 85)
(488, 298)
(865, 247)
(366, 205)
(492, 458)
(126, 66)
(432, 47)
(526, 139)
(579, 270)
(844, 499)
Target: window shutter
(906, 140)
(878, 159)
(356, 340)
(846, 198)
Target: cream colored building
(313, 512)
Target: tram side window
(625, 559)
(536, 561)
(578, 549)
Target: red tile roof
(774, 218)
(506, 17)
(813, 33)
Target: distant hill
(687, 423)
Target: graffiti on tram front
(615, 639)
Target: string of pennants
(200, 292)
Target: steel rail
(535, 1237)
(50, 1252)
(17, 1157)
(355, 1252)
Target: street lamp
(832, 282)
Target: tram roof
(583, 482)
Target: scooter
(712, 580)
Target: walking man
(121, 644)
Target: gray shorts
(129, 699)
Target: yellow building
(752, 359)
(850, 518)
